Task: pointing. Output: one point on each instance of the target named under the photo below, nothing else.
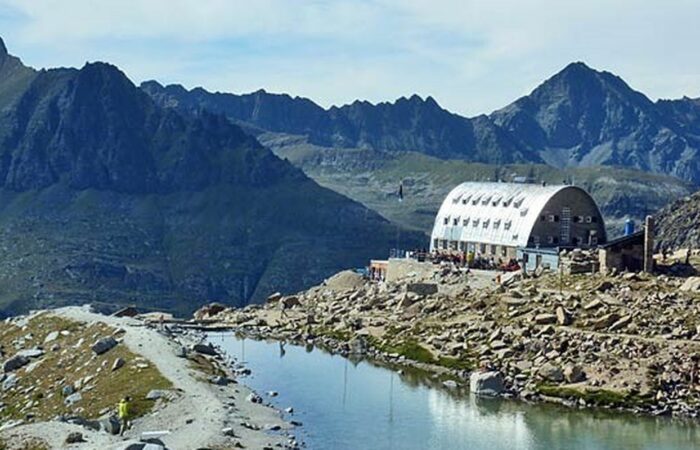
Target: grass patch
(39, 388)
(456, 363)
(412, 350)
(338, 335)
(599, 397)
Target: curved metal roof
(493, 213)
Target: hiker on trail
(123, 412)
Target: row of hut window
(478, 248)
(475, 223)
(489, 199)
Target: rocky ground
(57, 394)
(625, 341)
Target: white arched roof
(510, 211)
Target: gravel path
(194, 419)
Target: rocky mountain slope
(580, 117)
(106, 196)
(678, 224)
(371, 177)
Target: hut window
(475, 223)
(493, 250)
(465, 222)
(455, 221)
(486, 223)
(507, 225)
(589, 219)
(447, 220)
(482, 248)
(496, 224)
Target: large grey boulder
(423, 289)
(486, 383)
(104, 345)
(15, 363)
(551, 372)
(110, 425)
(205, 349)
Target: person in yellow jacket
(123, 412)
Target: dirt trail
(194, 419)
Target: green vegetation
(412, 350)
(73, 363)
(598, 397)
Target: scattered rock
(118, 364)
(73, 399)
(551, 372)
(205, 349)
(545, 318)
(574, 373)
(104, 345)
(486, 383)
(15, 363)
(75, 437)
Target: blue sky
(471, 56)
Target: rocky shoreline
(628, 342)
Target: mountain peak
(3, 49)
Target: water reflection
(349, 404)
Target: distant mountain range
(105, 196)
(580, 117)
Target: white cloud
(472, 56)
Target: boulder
(621, 323)
(208, 311)
(563, 317)
(15, 363)
(73, 399)
(423, 289)
(110, 425)
(254, 398)
(104, 345)
(205, 349)
(74, 437)
(118, 364)
(67, 390)
(545, 318)
(550, 372)
(692, 284)
(574, 373)
(31, 353)
(605, 321)
(219, 380)
(274, 298)
(291, 301)
(50, 338)
(486, 383)
(10, 382)
(155, 394)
